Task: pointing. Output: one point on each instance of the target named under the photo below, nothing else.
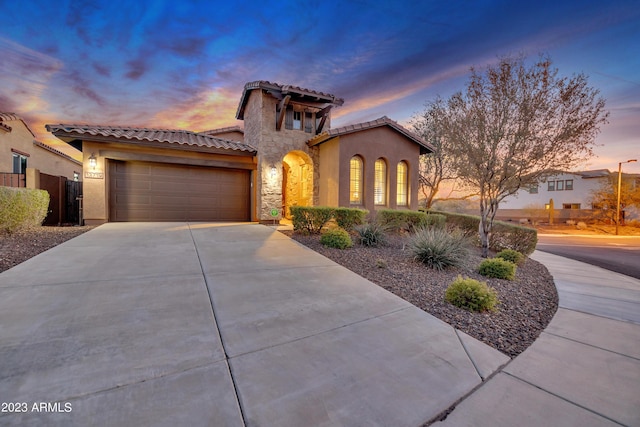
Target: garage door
(145, 191)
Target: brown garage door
(145, 191)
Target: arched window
(403, 187)
(355, 181)
(380, 183)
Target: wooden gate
(73, 202)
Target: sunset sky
(183, 64)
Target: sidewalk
(584, 370)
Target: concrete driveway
(170, 324)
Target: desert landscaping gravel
(527, 304)
(526, 307)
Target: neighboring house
(286, 155)
(19, 150)
(571, 193)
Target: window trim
(551, 186)
(560, 185)
(568, 187)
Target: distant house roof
(54, 151)
(279, 91)
(214, 132)
(74, 134)
(12, 117)
(596, 173)
(425, 147)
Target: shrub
(409, 220)
(22, 208)
(310, 219)
(581, 225)
(337, 238)
(498, 268)
(471, 294)
(347, 218)
(511, 255)
(503, 235)
(371, 234)
(510, 236)
(439, 248)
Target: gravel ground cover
(527, 304)
(20, 246)
(526, 307)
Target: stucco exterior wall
(386, 143)
(96, 180)
(329, 173)
(20, 138)
(581, 193)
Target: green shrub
(371, 234)
(337, 238)
(347, 218)
(406, 220)
(511, 236)
(22, 208)
(439, 248)
(471, 294)
(498, 268)
(503, 236)
(511, 255)
(310, 219)
(435, 220)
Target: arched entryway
(297, 181)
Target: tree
(514, 125)
(436, 167)
(605, 198)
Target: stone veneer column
(272, 145)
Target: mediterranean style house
(19, 150)
(286, 155)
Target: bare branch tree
(436, 167)
(513, 125)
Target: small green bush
(503, 235)
(22, 208)
(439, 248)
(435, 220)
(498, 268)
(511, 255)
(406, 220)
(471, 294)
(371, 234)
(310, 219)
(511, 236)
(337, 238)
(347, 218)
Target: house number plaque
(94, 175)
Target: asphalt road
(616, 253)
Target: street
(616, 253)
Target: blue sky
(183, 64)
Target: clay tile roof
(11, 117)
(169, 136)
(425, 147)
(285, 90)
(218, 131)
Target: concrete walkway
(584, 369)
(174, 324)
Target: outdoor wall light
(93, 162)
(274, 171)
